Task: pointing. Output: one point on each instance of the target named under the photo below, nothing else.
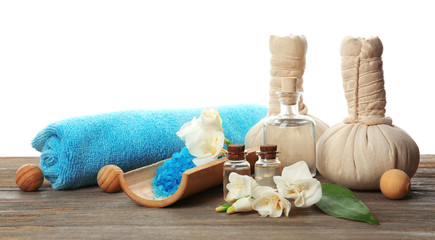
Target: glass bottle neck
(289, 103)
(289, 109)
(236, 161)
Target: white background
(60, 59)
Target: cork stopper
(289, 84)
(268, 151)
(268, 148)
(236, 152)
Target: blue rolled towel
(74, 150)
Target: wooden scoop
(137, 183)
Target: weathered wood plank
(89, 213)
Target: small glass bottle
(267, 166)
(236, 162)
(293, 133)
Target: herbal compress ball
(288, 60)
(356, 152)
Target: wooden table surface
(89, 213)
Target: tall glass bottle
(236, 162)
(293, 133)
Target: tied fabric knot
(287, 60)
(363, 83)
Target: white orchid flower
(241, 205)
(204, 137)
(240, 186)
(297, 183)
(211, 118)
(268, 202)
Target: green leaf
(227, 142)
(338, 201)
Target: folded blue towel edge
(52, 165)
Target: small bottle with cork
(292, 132)
(267, 165)
(236, 162)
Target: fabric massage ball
(356, 152)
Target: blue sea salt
(168, 176)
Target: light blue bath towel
(74, 150)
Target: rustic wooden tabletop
(89, 213)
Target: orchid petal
(210, 119)
(243, 204)
(297, 183)
(287, 190)
(297, 171)
(270, 203)
(313, 194)
(240, 186)
(187, 128)
(204, 137)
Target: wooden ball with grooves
(29, 177)
(108, 178)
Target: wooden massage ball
(108, 178)
(29, 177)
(395, 184)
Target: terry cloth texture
(74, 150)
